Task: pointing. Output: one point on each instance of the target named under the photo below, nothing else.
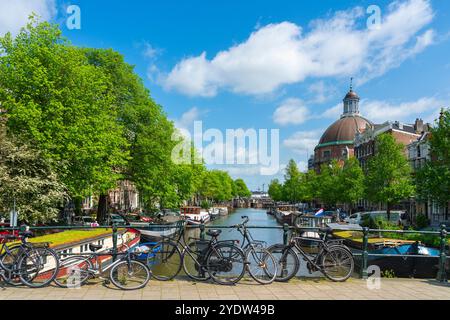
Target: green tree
(433, 180)
(28, 181)
(328, 189)
(241, 188)
(292, 181)
(276, 190)
(388, 177)
(64, 105)
(308, 186)
(351, 182)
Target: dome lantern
(351, 102)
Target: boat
(127, 238)
(401, 266)
(195, 215)
(218, 211)
(285, 214)
(305, 221)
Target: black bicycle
(223, 261)
(32, 264)
(333, 259)
(126, 272)
(260, 263)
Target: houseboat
(195, 215)
(286, 214)
(126, 239)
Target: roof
(343, 131)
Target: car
(115, 218)
(83, 220)
(359, 217)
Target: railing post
(365, 254)
(114, 239)
(285, 233)
(202, 231)
(442, 276)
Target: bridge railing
(365, 254)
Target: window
(327, 154)
(418, 151)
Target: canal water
(257, 217)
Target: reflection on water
(257, 217)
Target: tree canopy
(389, 177)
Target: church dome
(343, 131)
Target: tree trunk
(77, 203)
(102, 209)
(388, 212)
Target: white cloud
(282, 53)
(187, 119)
(321, 92)
(291, 111)
(303, 141)
(381, 111)
(14, 13)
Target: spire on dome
(351, 101)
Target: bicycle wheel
(164, 260)
(226, 263)
(288, 261)
(261, 265)
(38, 267)
(194, 262)
(337, 263)
(9, 262)
(73, 272)
(130, 275)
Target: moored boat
(285, 214)
(195, 215)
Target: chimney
(418, 126)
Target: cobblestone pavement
(246, 290)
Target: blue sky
(270, 64)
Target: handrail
(286, 228)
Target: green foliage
(433, 180)
(217, 185)
(55, 98)
(388, 273)
(292, 180)
(29, 178)
(421, 221)
(241, 189)
(351, 182)
(276, 190)
(389, 173)
(329, 190)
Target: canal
(257, 217)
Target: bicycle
(201, 260)
(334, 260)
(126, 273)
(261, 264)
(32, 264)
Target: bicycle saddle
(95, 247)
(213, 232)
(327, 230)
(26, 234)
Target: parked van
(398, 217)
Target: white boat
(223, 211)
(195, 215)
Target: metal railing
(442, 234)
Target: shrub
(421, 221)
